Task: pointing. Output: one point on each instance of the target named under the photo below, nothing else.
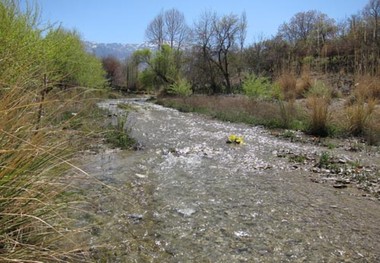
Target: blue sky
(125, 21)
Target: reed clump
(35, 147)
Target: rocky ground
(343, 163)
(188, 196)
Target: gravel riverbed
(188, 196)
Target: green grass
(117, 136)
(324, 160)
(297, 158)
(126, 106)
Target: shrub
(180, 88)
(303, 84)
(359, 116)
(367, 87)
(257, 87)
(288, 82)
(324, 160)
(147, 80)
(320, 90)
(318, 100)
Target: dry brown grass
(319, 115)
(33, 161)
(239, 109)
(304, 83)
(360, 117)
(293, 87)
(243, 104)
(288, 84)
(367, 87)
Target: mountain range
(118, 50)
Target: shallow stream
(188, 196)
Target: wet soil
(188, 196)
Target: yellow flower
(235, 139)
(232, 138)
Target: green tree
(20, 45)
(67, 62)
(163, 67)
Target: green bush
(257, 87)
(67, 62)
(180, 88)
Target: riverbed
(188, 196)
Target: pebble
(241, 234)
(141, 176)
(186, 211)
(340, 186)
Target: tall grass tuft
(288, 84)
(318, 101)
(288, 113)
(304, 83)
(33, 225)
(35, 145)
(367, 87)
(359, 116)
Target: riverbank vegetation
(42, 126)
(316, 74)
(321, 77)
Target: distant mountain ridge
(118, 50)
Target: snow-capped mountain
(120, 51)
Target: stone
(342, 181)
(141, 176)
(241, 234)
(186, 211)
(340, 186)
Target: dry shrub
(288, 84)
(359, 116)
(319, 115)
(367, 87)
(230, 108)
(318, 101)
(372, 132)
(303, 84)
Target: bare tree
(203, 32)
(242, 33)
(226, 30)
(176, 29)
(217, 38)
(168, 27)
(155, 31)
(372, 10)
